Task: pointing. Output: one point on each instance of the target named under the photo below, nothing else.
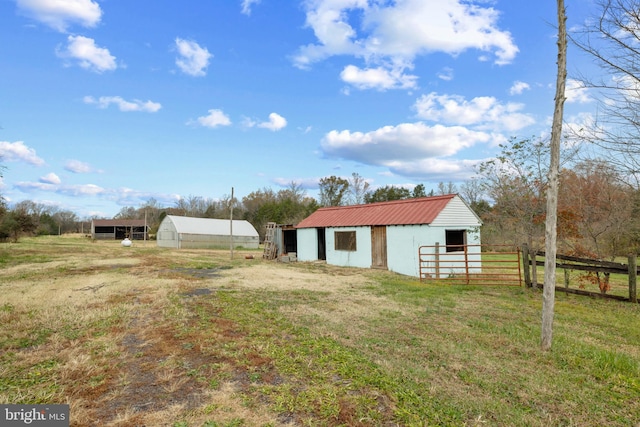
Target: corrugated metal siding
(399, 212)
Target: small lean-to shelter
(387, 235)
(188, 232)
(118, 229)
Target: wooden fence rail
(569, 263)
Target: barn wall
(359, 258)
(404, 241)
(307, 244)
(456, 215)
(406, 259)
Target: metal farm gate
(471, 264)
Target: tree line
(598, 207)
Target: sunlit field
(159, 337)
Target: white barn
(388, 235)
(188, 232)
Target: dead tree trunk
(548, 296)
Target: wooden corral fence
(471, 264)
(598, 268)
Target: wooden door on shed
(379, 247)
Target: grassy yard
(148, 336)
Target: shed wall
(403, 242)
(307, 244)
(361, 257)
(456, 215)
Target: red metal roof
(398, 212)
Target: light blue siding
(307, 244)
(361, 257)
(404, 241)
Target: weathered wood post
(466, 263)
(437, 260)
(633, 278)
(566, 277)
(526, 266)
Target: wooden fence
(597, 267)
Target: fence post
(525, 263)
(633, 278)
(466, 263)
(437, 259)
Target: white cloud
(76, 166)
(412, 150)
(19, 152)
(446, 74)
(276, 122)
(60, 14)
(576, 92)
(484, 113)
(305, 183)
(122, 196)
(67, 190)
(247, 4)
(123, 105)
(89, 56)
(377, 78)
(436, 169)
(214, 119)
(518, 87)
(582, 127)
(406, 142)
(193, 59)
(50, 178)
(392, 34)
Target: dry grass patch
(148, 336)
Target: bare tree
(516, 181)
(548, 298)
(447, 188)
(613, 40)
(471, 191)
(358, 187)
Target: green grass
(387, 350)
(464, 354)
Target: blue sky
(106, 103)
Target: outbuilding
(118, 229)
(188, 232)
(388, 235)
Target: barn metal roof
(398, 212)
(118, 222)
(209, 226)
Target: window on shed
(456, 240)
(345, 240)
